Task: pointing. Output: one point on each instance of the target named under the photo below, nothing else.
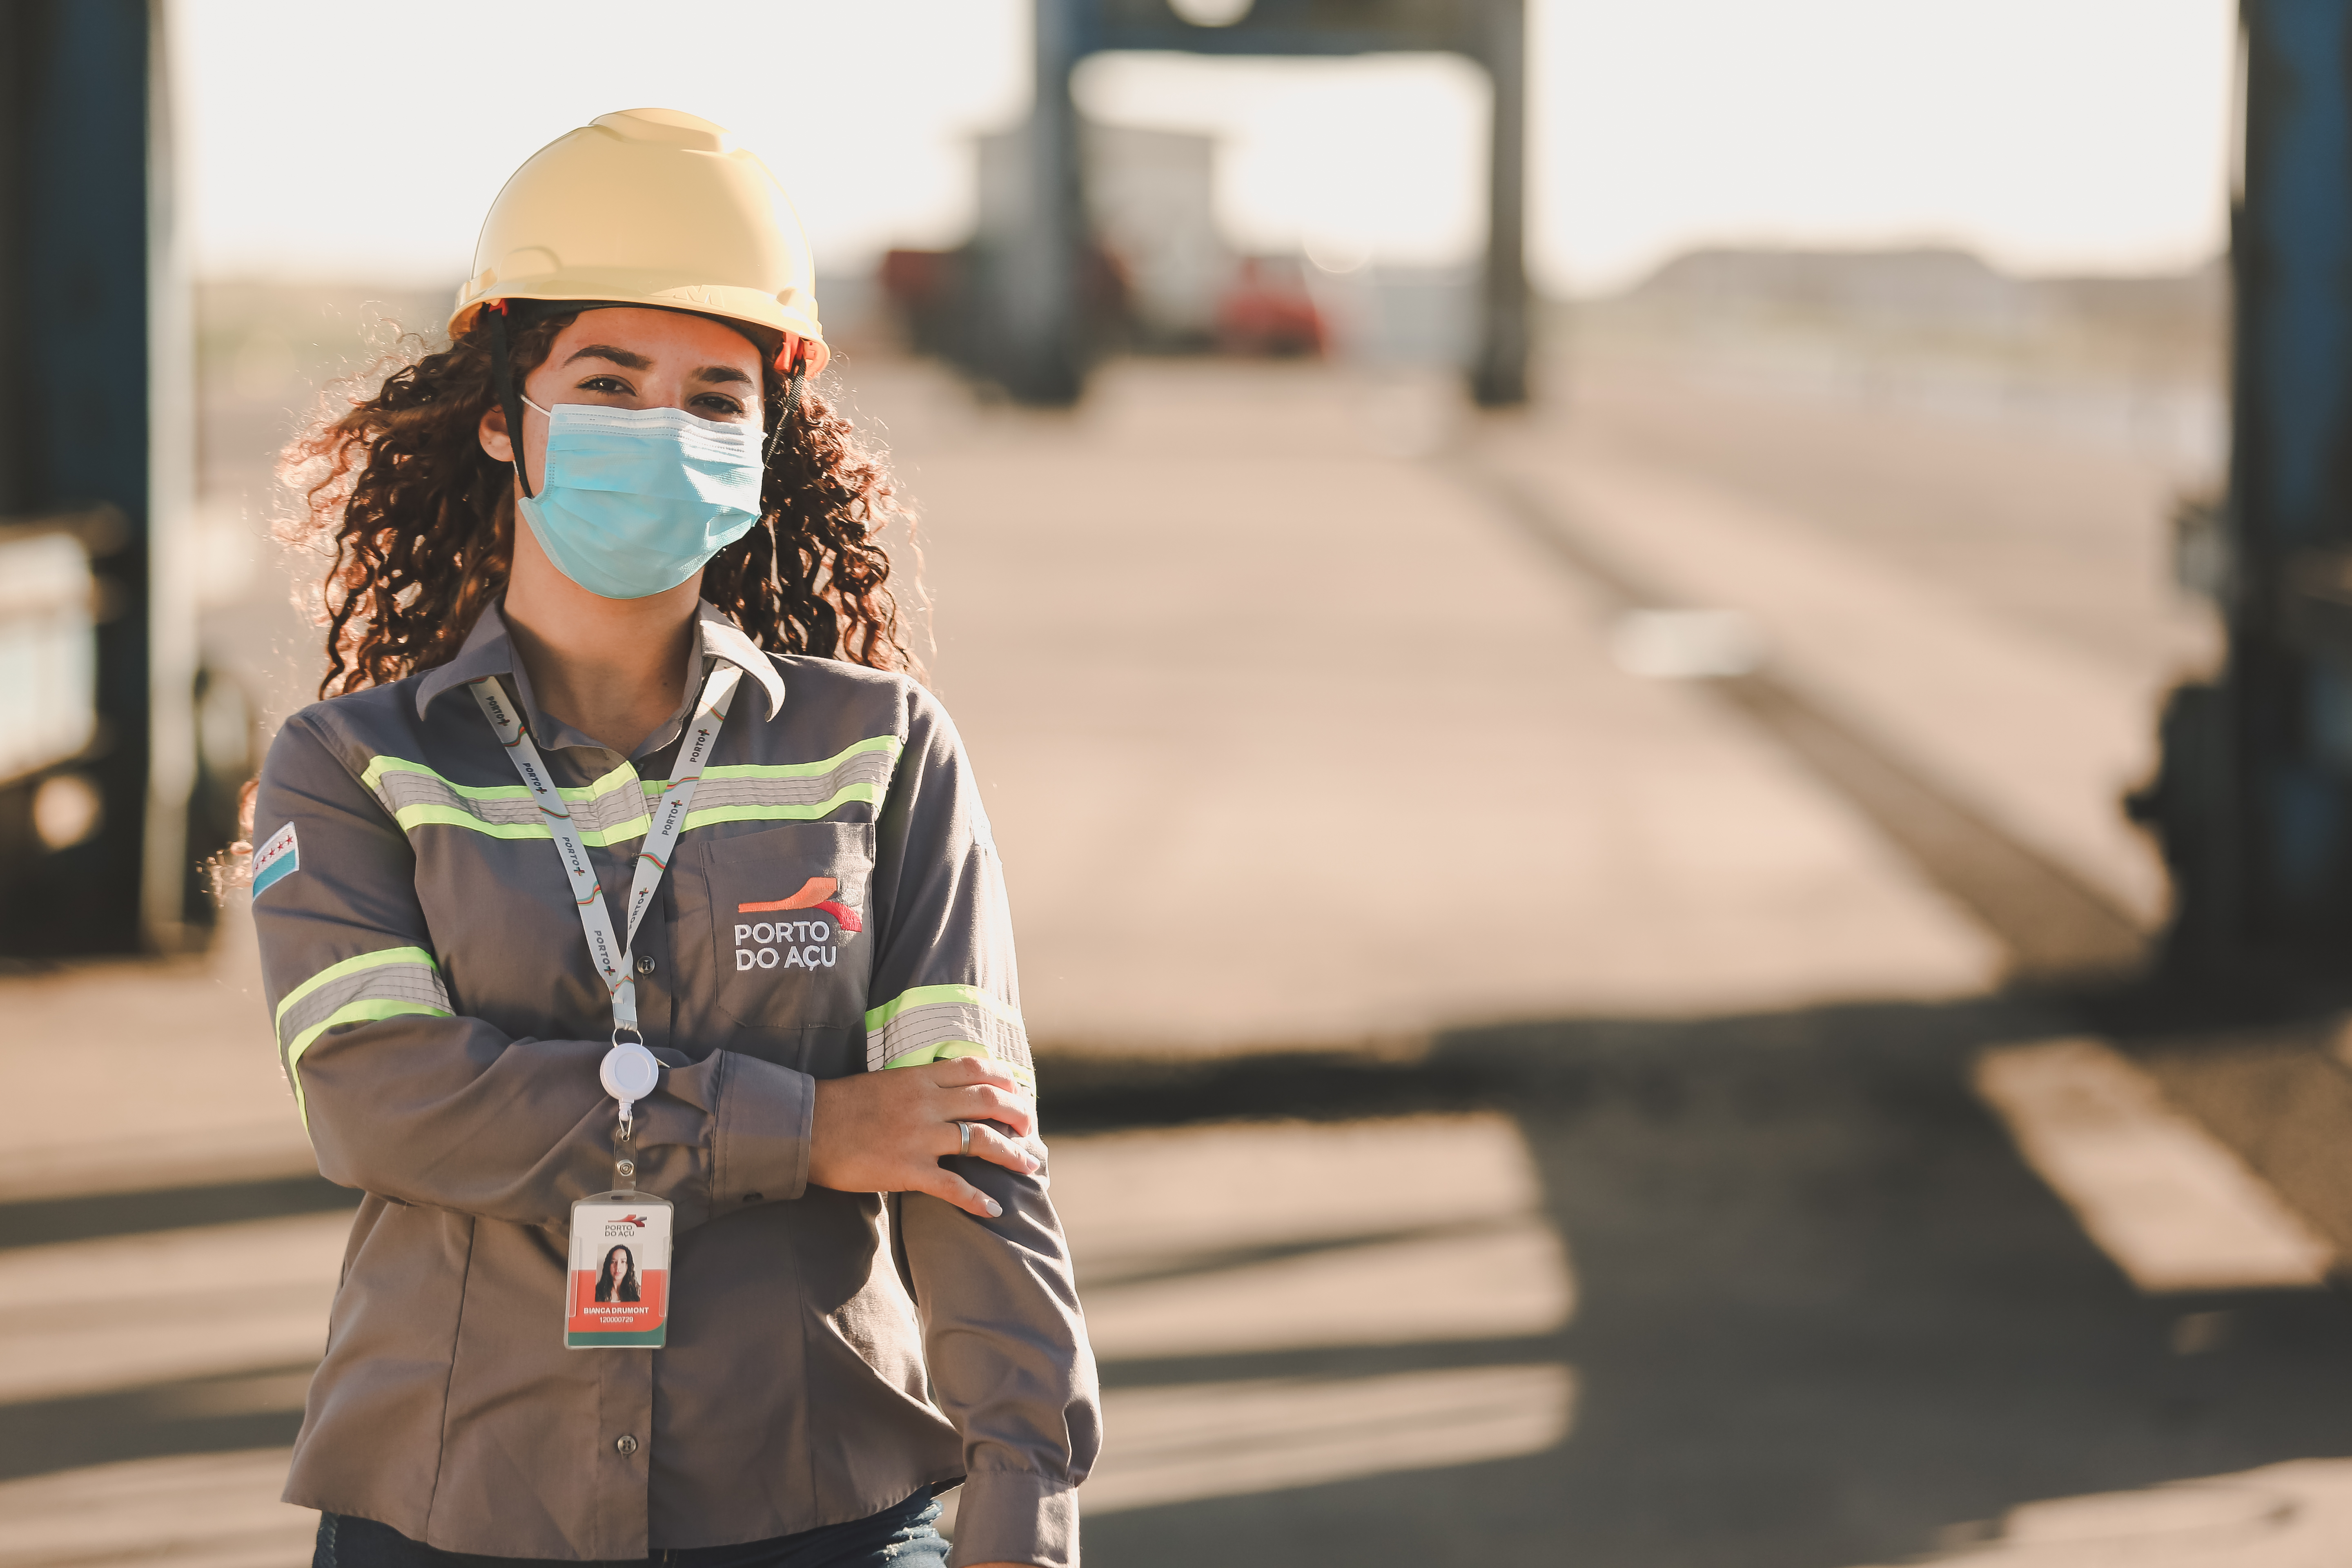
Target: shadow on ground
(1824, 1315)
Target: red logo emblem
(816, 893)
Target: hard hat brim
(612, 288)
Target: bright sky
(365, 142)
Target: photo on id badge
(619, 1280)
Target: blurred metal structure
(96, 456)
(1040, 288)
(2253, 800)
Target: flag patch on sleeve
(274, 859)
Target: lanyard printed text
(607, 949)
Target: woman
(572, 773)
(618, 1279)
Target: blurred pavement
(1353, 745)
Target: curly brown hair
(417, 522)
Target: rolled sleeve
(1004, 1339)
(1013, 1516)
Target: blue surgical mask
(636, 500)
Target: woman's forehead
(653, 334)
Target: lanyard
(610, 953)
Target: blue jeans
(900, 1537)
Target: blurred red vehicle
(1266, 310)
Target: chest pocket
(788, 923)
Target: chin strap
(509, 395)
(792, 404)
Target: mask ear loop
(509, 396)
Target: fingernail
(995, 1209)
(1036, 1165)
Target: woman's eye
(718, 404)
(609, 385)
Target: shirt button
(625, 1445)
(645, 965)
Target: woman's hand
(886, 1132)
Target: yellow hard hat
(650, 207)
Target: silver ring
(965, 1146)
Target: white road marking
(2174, 1208)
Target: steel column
(2254, 798)
(1499, 375)
(1044, 349)
(95, 416)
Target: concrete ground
(1509, 1108)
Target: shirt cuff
(760, 1151)
(1012, 1516)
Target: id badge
(619, 1283)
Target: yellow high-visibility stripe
(620, 778)
(734, 792)
(376, 959)
(393, 997)
(923, 995)
(350, 1013)
(934, 1023)
(809, 811)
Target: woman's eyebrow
(621, 357)
(725, 373)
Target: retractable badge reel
(619, 1292)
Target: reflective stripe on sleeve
(931, 1023)
(386, 984)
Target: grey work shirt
(829, 1353)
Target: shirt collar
(490, 650)
(717, 634)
